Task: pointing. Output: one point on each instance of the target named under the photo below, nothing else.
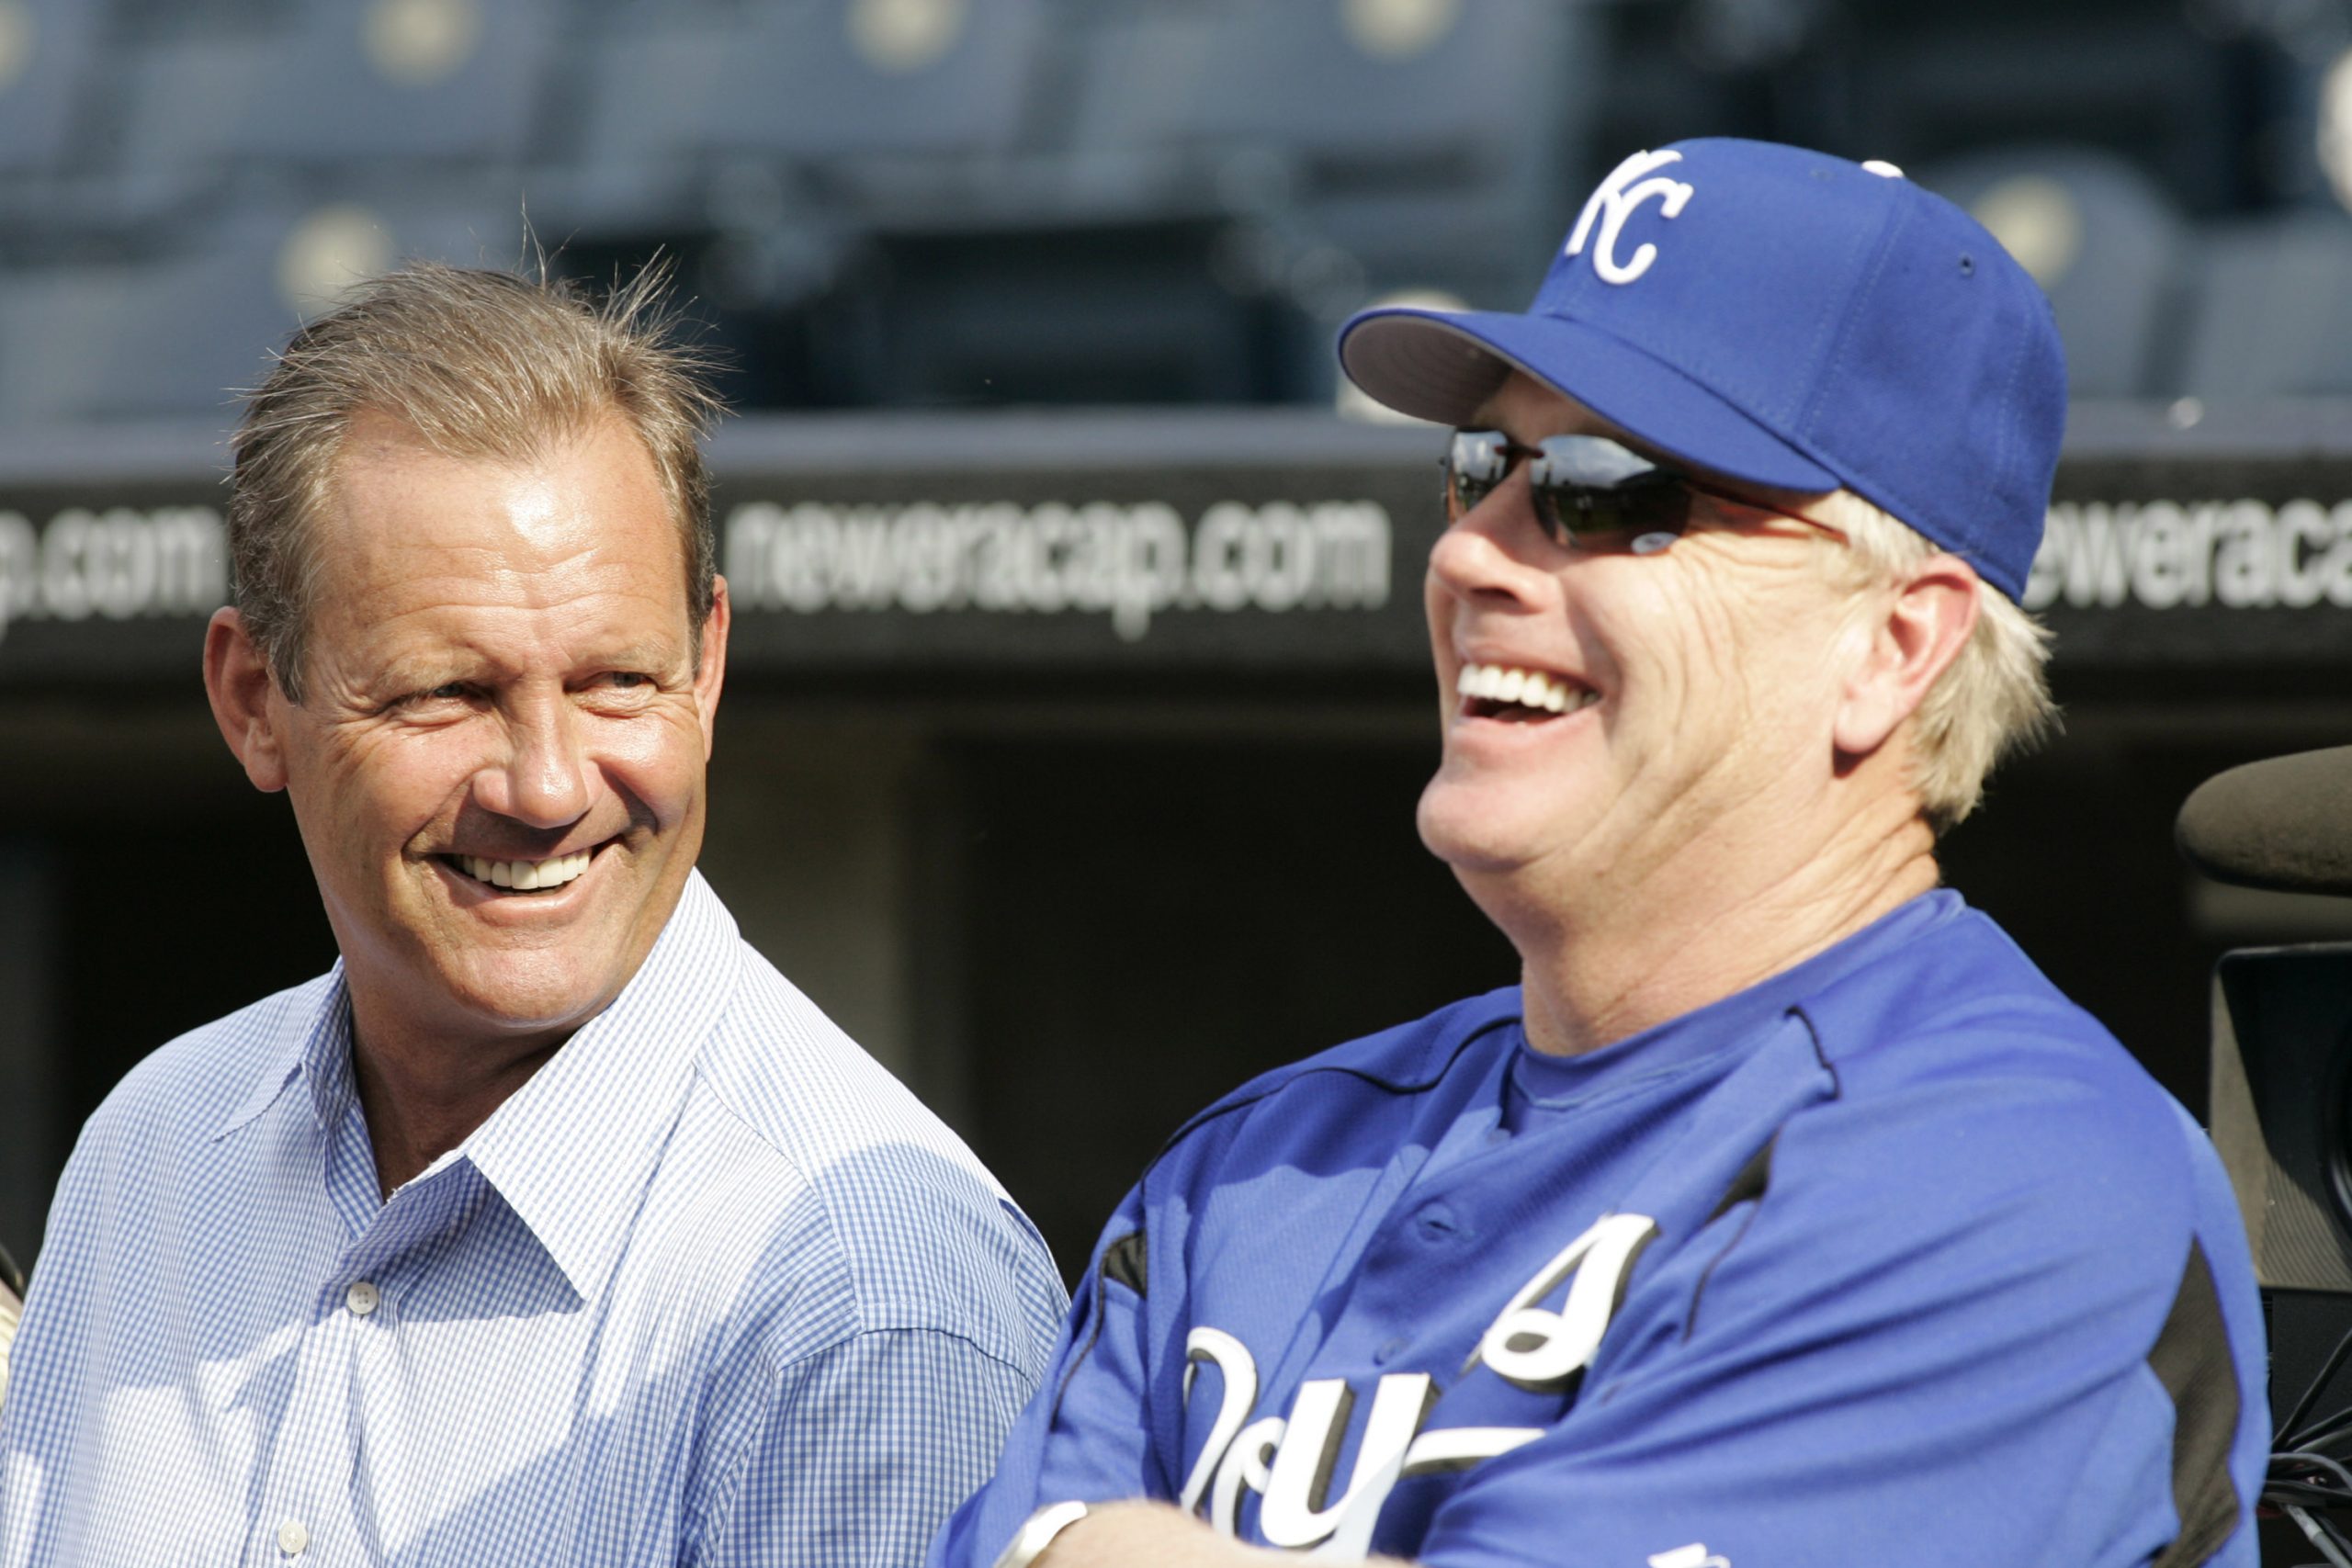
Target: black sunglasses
(1583, 486)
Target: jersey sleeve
(1956, 1329)
(1086, 1435)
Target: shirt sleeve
(1937, 1339)
(1086, 1435)
(863, 1450)
(11, 1310)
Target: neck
(1615, 959)
(423, 1093)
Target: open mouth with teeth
(1518, 696)
(522, 875)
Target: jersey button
(292, 1539)
(1389, 1350)
(1436, 1222)
(361, 1298)
(1498, 1136)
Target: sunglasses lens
(1475, 464)
(1570, 511)
(1587, 484)
(1580, 484)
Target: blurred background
(1080, 699)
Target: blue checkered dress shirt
(711, 1288)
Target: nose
(543, 778)
(1487, 551)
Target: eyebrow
(421, 674)
(424, 671)
(637, 656)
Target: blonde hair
(479, 364)
(1991, 702)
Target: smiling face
(497, 768)
(1608, 713)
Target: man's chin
(506, 977)
(1473, 832)
(532, 999)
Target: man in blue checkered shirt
(552, 1225)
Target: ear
(238, 681)
(711, 673)
(1913, 635)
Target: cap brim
(1444, 364)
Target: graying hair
(1990, 703)
(479, 364)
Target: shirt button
(292, 1539)
(1498, 1136)
(361, 1299)
(1389, 1352)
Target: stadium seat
(176, 109)
(812, 80)
(410, 79)
(2273, 311)
(633, 158)
(1415, 144)
(48, 49)
(1438, 90)
(58, 326)
(1928, 83)
(337, 84)
(2104, 242)
(1111, 314)
(1490, 253)
(174, 335)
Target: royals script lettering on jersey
(1289, 1463)
(1899, 1234)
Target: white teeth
(1527, 688)
(524, 875)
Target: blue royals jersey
(1897, 1257)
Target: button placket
(313, 1450)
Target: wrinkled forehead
(404, 507)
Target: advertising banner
(1223, 545)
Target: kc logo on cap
(1799, 322)
(1613, 201)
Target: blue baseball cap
(1784, 318)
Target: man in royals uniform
(1783, 1213)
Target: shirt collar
(570, 1151)
(1737, 1019)
(314, 1046)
